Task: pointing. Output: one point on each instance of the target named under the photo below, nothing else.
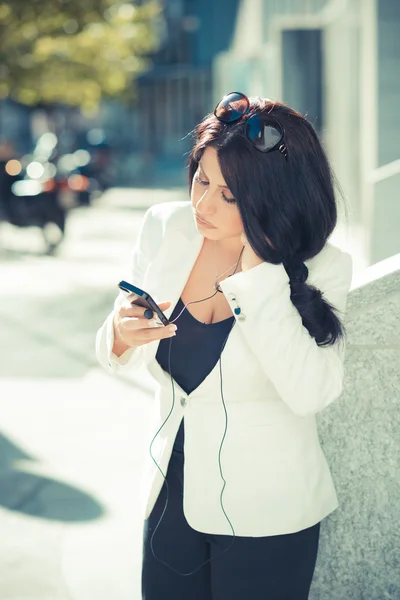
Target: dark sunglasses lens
(232, 107)
(263, 135)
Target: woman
(255, 355)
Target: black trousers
(277, 567)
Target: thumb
(164, 305)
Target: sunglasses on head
(264, 132)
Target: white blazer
(275, 379)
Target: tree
(74, 51)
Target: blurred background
(97, 98)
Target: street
(71, 435)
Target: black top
(194, 353)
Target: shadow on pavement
(38, 496)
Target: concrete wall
(359, 555)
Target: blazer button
(183, 402)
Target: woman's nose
(205, 205)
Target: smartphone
(137, 296)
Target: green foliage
(74, 51)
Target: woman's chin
(208, 232)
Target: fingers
(134, 310)
(134, 329)
(156, 333)
(143, 334)
(134, 323)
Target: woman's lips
(204, 223)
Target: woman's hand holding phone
(133, 329)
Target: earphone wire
(220, 448)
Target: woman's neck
(228, 247)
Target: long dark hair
(292, 202)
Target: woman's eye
(228, 200)
(204, 182)
(200, 181)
